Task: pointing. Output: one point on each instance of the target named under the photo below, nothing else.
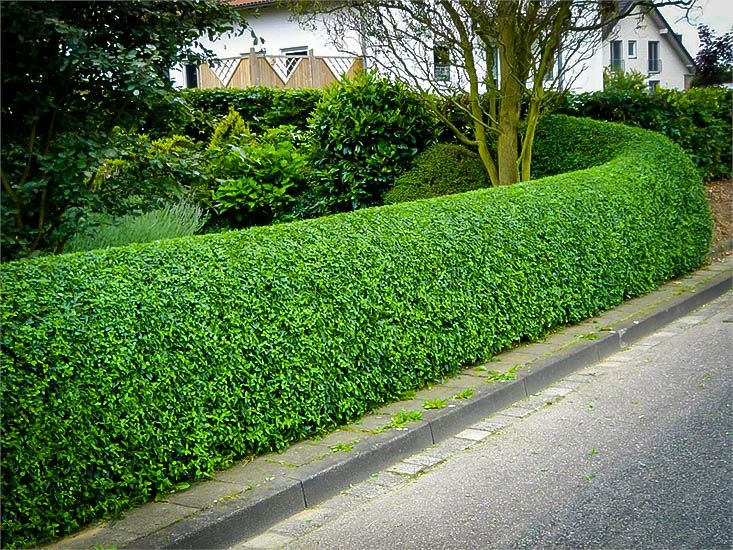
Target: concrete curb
(251, 512)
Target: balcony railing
(655, 65)
(277, 71)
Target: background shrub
(699, 120)
(128, 370)
(177, 220)
(365, 132)
(195, 111)
(442, 169)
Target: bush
(128, 370)
(196, 110)
(699, 120)
(365, 132)
(178, 220)
(442, 169)
(145, 174)
(256, 180)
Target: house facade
(288, 52)
(646, 44)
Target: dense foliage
(365, 132)
(71, 71)
(262, 108)
(442, 169)
(699, 120)
(128, 370)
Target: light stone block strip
(473, 435)
(267, 540)
(406, 468)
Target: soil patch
(720, 198)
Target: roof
(249, 3)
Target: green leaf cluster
(442, 169)
(127, 371)
(365, 131)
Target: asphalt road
(639, 457)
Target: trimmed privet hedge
(442, 169)
(699, 119)
(129, 370)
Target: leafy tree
(71, 71)
(714, 61)
(500, 55)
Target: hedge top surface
(128, 370)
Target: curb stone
(281, 492)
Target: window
(653, 86)
(441, 63)
(191, 72)
(631, 49)
(655, 64)
(617, 58)
(296, 53)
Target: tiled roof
(249, 3)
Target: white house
(288, 53)
(647, 44)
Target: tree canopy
(714, 61)
(71, 71)
(492, 60)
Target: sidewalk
(250, 497)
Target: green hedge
(442, 169)
(128, 370)
(699, 120)
(196, 111)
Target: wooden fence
(277, 71)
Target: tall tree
(70, 72)
(714, 61)
(493, 60)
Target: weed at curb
(497, 376)
(436, 403)
(465, 394)
(403, 417)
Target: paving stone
(517, 412)
(247, 475)
(300, 454)
(388, 479)
(493, 424)
(534, 403)
(343, 501)
(268, 540)
(448, 448)
(406, 468)
(305, 521)
(461, 382)
(423, 459)
(103, 536)
(367, 489)
(473, 435)
(205, 494)
(335, 438)
(556, 391)
(153, 516)
(370, 423)
(436, 392)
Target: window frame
(631, 49)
